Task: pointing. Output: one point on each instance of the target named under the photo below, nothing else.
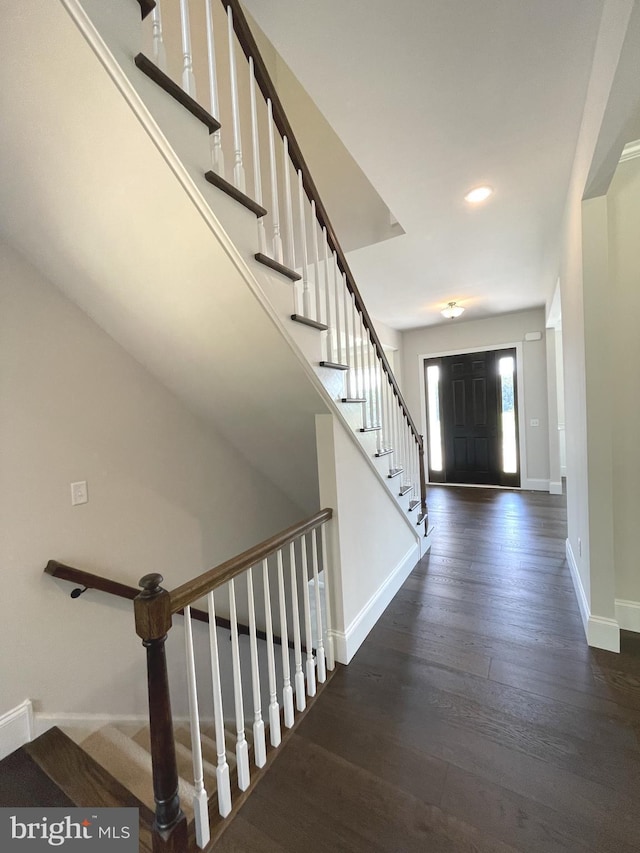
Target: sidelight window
(506, 366)
(433, 408)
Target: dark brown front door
(474, 401)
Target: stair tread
(184, 759)
(277, 266)
(24, 784)
(130, 763)
(334, 365)
(171, 88)
(307, 321)
(209, 750)
(146, 6)
(386, 452)
(353, 400)
(395, 472)
(231, 190)
(85, 781)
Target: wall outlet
(534, 422)
(79, 493)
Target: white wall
(457, 336)
(166, 493)
(374, 549)
(611, 99)
(623, 204)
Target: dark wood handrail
(263, 79)
(121, 590)
(194, 589)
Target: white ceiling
(433, 97)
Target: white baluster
(394, 459)
(306, 295)
(259, 742)
(320, 658)
(379, 402)
(188, 80)
(242, 748)
(275, 210)
(372, 384)
(316, 263)
(331, 660)
(386, 435)
(287, 690)
(348, 351)
(200, 798)
(364, 361)
(238, 168)
(327, 295)
(288, 209)
(357, 361)
(311, 669)
(301, 701)
(222, 770)
(407, 461)
(158, 50)
(274, 708)
(336, 302)
(217, 155)
(257, 175)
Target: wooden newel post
(153, 621)
(424, 513)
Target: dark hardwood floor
(474, 717)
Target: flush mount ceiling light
(452, 311)
(478, 194)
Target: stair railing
(291, 574)
(265, 165)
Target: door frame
(522, 438)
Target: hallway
(474, 717)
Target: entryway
(472, 417)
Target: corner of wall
(600, 631)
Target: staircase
(242, 254)
(252, 177)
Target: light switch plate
(79, 494)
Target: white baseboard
(16, 728)
(583, 604)
(534, 485)
(628, 614)
(555, 488)
(347, 643)
(604, 633)
(600, 631)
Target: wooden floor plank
(474, 717)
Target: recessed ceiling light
(478, 194)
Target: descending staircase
(113, 767)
